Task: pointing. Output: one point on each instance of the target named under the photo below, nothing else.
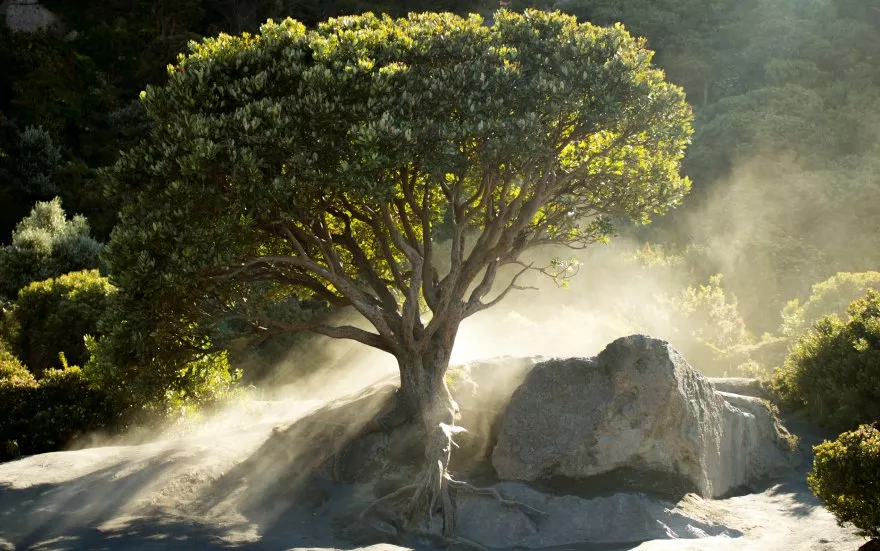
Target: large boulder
(637, 407)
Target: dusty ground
(184, 492)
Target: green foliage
(301, 160)
(12, 371)
(834, 370)
(702, 321)
(36, 160)
(786, 96)
(44, 416)
(712, 313)
(167, 390)
(46, 244)
(832, 296)
(54, 315)
(846, 477)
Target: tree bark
(425, 392)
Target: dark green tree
(321, 164)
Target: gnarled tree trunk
(424, 391)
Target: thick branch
(362, 302)
(363, 264)
(336, 332)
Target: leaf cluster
(846, 477)
(46, 244)
(833, 372)
(321, 163)
(53, 316)
(42, 416)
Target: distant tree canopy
(46, 244)
(322, 164)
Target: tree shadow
(68, 515)
(281, 495)
(286, 487)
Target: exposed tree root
(426, 500)
(494, 494)
(427, 507)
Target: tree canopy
(323, 163)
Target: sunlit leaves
(342, 152)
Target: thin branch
(363, 264)
(475, 306)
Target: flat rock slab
(620, 518)
(740, 385)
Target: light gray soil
(176, 492)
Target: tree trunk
(424, 398)
(423, 389)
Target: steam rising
(240, 476)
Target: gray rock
(740, 385)
(482, 390)
(637, 406)
(620, 518)
(763, 460)
(28, 16)
(488, 522)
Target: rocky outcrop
(740, 385)
(566, 520)
(28, 16)
(638, 406)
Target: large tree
(329, 164)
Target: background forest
(780, 227)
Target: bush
(44, 416)
(12, 372)
(36, 162)
(846, 477)
(705, 324)
(54, 315)
(831, 296)
(46, 244)
(834, 370)
(161, 390)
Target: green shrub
(54, 315)
(36, 161)
(706, 326)
(44, 416)
(831, 296)
(846, 477)
(11, 369)
(160, 390)
(46, 244)
(834, 370)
